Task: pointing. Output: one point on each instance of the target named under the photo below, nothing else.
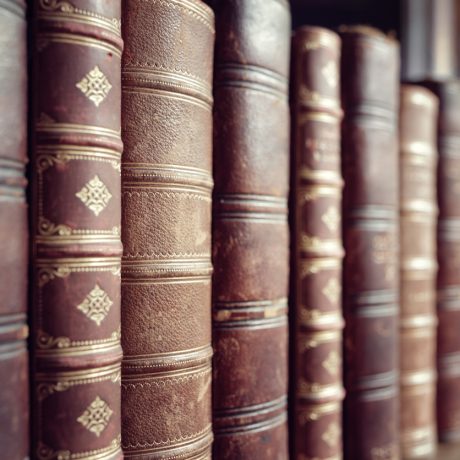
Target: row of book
(179, 206)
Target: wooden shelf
(448, 452)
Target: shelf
(448, 452)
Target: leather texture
(418, 319)
(370, 164)
(166, 229)
(448, 246)
(14, 394)
(76, 217)
(250, 230)
(317, 343)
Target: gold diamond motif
(332, 290)
(95, 86)
(331, 435)
(331, 218)
(96, 416)
(332, 363)
(95, 195)
(96, 305)
(331, 74)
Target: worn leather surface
(76, 216)
(448, 245)
(14, 394)
(370, 163)
(418, 219)
(317, 344)
(250, 231)
(166, 229)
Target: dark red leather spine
(76, 216)
(418, 214)
(14, 391)
(166, 229)
(250, 231)
(370, 99)
(448, 283)
(317, 239)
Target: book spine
(317, 238)
(166, 229)
(76, 258)
(14, 395)
(370, 100)
(250, 229)
(418, 218)
(448, 245)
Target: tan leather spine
(166, 229)
(318, 244)
(14, 392)
(370, 165)
(448, 245)
(418, 218)
(250, 231)
(76, 220)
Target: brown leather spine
(448, 283)
(250, 231)
(418, 218)
(370, 97)
(166, 229)
(14, 394)
(76, 216)
(317, 238)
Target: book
(448, 249)
(14, 394)
(250, 229)
(418, 319)
(75, 217)
(370, 164)
(317, 341)
(166, 229)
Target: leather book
(166, 229)
(317, 344)
(448, 246)
(76, 217)
(418, 319)
(250, 229)
(370, 167)
(14, 394)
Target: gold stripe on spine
(43, 39)
(316, 411)
(47, 126)
(114, 449)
